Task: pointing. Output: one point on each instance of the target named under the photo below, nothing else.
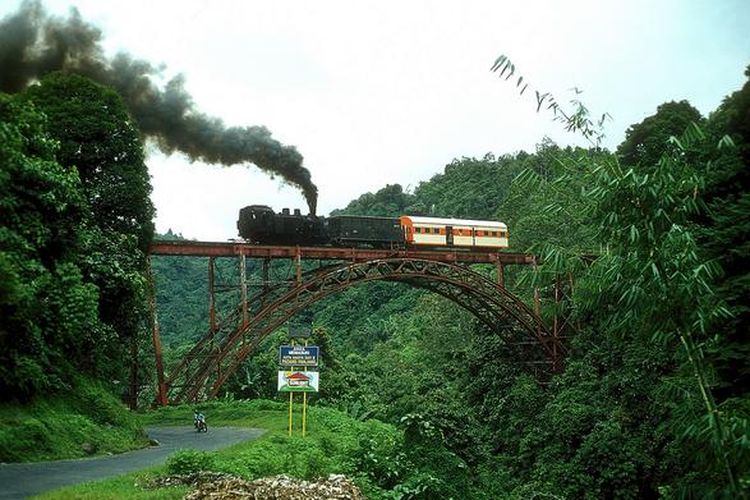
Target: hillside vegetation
(87, 421)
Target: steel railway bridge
(230, 340)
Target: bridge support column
(298, 267)
(161, 388)
(211, 298)
(243, 289)
(134, 366)
(211, 304)
(266, 280)
(562, 323)
(500, 268)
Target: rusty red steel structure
(228, 343)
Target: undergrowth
(383, 460)
(58, 427)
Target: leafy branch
(576, 119)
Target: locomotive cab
(255, 223)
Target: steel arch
(209, 369)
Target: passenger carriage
(463, 233)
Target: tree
(389, 201)
(48, 315)
(99, 140)
(725, 232)
(646, 141)
(469, 188)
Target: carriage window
(417, 229)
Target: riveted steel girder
(212, 361)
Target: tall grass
(57, 427)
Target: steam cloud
(32, 44)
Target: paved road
(22, 480)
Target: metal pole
(290, 412)
(304, 413)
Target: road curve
(23, 480)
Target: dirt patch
(225, 486)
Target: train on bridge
(259, 224)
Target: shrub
(190, 461)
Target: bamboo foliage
(651, 275)
(576, 118)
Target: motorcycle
(200, 424)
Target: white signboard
(298, 381)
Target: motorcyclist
(199, 420)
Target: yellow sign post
(291, 394)
(291, 402)
(291, 379)
(304, 408)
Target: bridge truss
(230, 341)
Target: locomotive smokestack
(33, 44)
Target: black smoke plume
(32, 44)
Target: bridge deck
(233, 249)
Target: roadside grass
(335, 444)
(57, 427)
(126, 486)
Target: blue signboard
(298, 355)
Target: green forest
(417, 399)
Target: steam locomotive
(259, 224)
